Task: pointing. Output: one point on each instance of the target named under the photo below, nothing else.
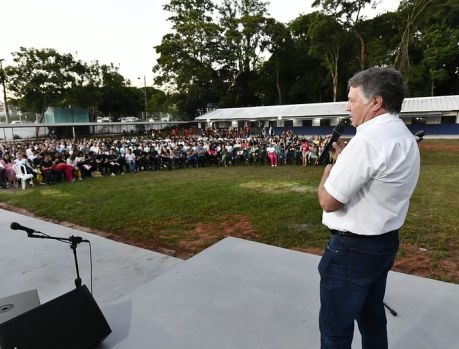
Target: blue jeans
(353, 273)
(131, 166)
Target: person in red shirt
(305, 152)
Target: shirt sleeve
(356, 165)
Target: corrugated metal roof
(333, 109)
(431, 104)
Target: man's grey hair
(384, 82)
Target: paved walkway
(237, 294)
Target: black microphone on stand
(336, 133)
(38, 234)
(17, 226)
(72, 240)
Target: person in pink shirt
(271, 150)
(305, 152)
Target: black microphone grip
(336, 133)
(17, 226)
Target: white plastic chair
(22, 175)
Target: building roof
(433, 105)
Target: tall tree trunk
(363, 54)
(334, 71)
(402, 59)
(279, 91)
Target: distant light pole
(145, 95)
(3, 77)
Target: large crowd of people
(52, 160)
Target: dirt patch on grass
(193, 240)
(205, 235)
(421, 263)
(185, 239)
(23, 211)
(278, 187)
(441, 147)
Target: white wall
(8, 134)
(297, 122)
(433, 120)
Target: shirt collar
(376, 120)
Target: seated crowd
(54, 160)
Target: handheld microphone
(336, 133)
(17, 226)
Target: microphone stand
(73, 240)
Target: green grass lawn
(185, 211)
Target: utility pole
(145, 96)
(3, 77)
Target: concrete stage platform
(237, 294)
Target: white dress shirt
(374, 177)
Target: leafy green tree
(440, 45)
(244, 38)
(44, 77)
(349, 13)
(411, 10)
(281, 47)
(186, 62)
(309, 78)
(41, 77)
(117, 97)
(327, 38)
(383, 35)
(160, 101)
(428, 46)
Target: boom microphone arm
(72, 240)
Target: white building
(438, 115)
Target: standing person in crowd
(305, 151)
(280, 153)
(365, 197)
(212, 155)
(272, 156)
(313, 156)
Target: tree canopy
(42, 78)
(232, 53)
(251, 59)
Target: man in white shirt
(365, 197)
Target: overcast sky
(122, 32)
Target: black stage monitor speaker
(71, 321)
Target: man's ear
(377, 103)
